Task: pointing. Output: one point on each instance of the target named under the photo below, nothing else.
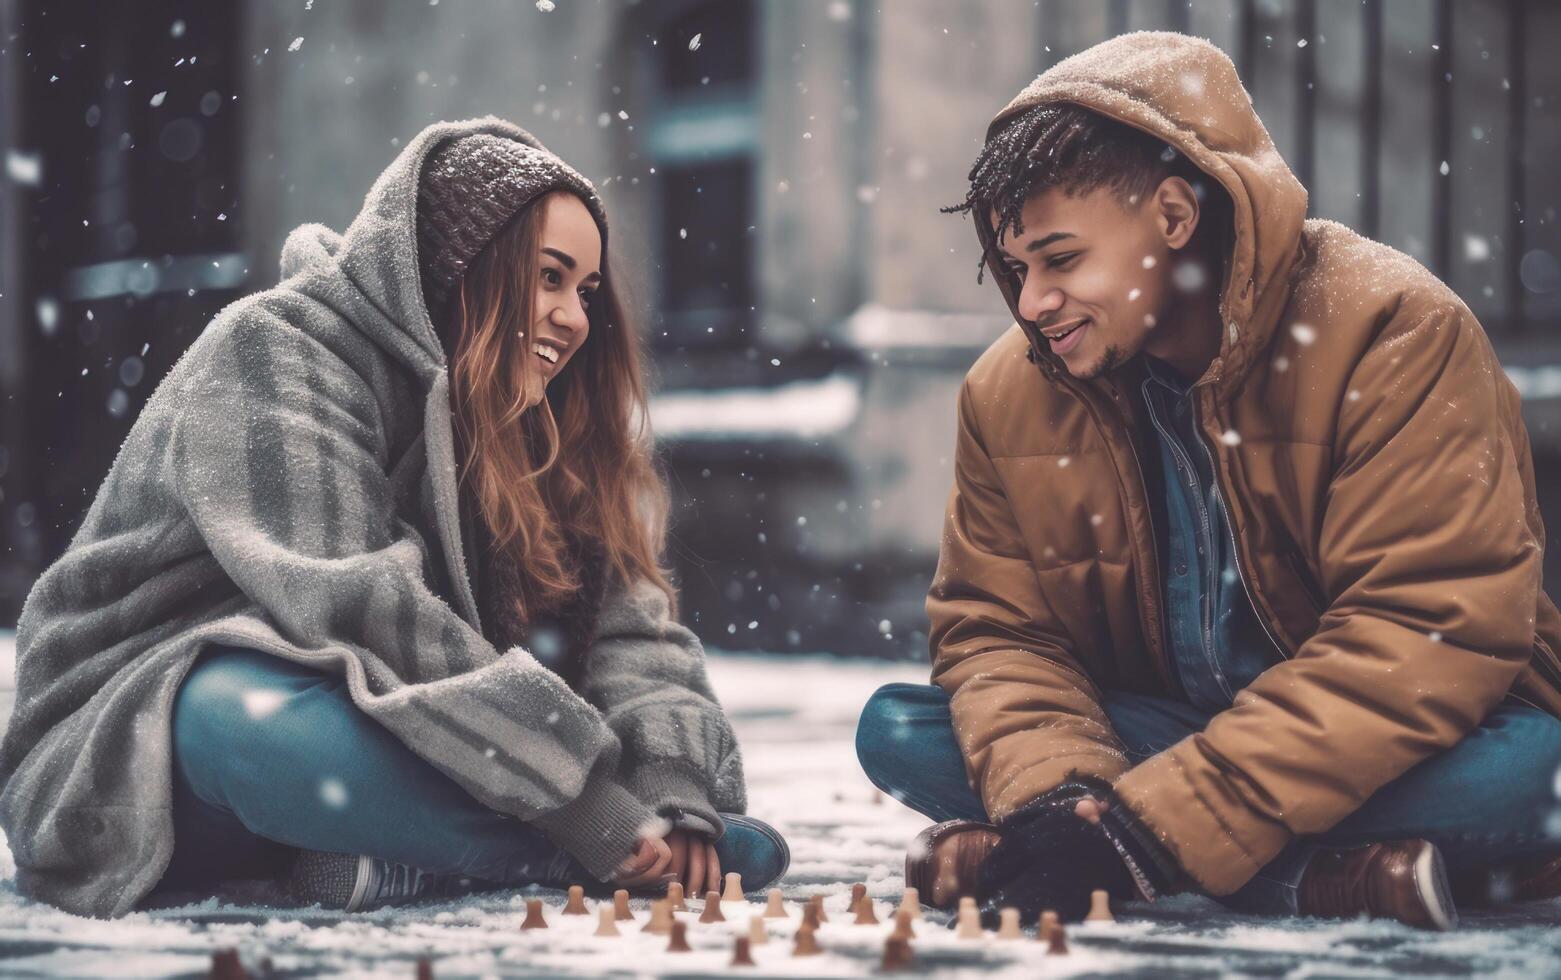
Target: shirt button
(1181, 569)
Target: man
(1239, 588)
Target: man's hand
(694, 862)
(648, 867)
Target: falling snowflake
(260, 704)
(1305, 334)
(333, 793)
(546, 6)
(1230, 437)
(298, 42)
(693, 42)
(157, 99)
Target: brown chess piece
(857, 891)
(606, 922)
(1099, 907)
(1043, 928)
(807, 943)
(660, 918)
(776, 908)
(425, 968)
(742, 954)
(1009, 929)
(675, 896)
(902, 926)
(896, 955)
(911, 902)
(576, 903)
(620, 906)
(817, 901)
(810, 915)
(865, 914)
(534, 918)
(225, 965)
(712, 912)
(877, 798)
(679, 941)
(969, 919)
(757, 936)
(1057, 942)
(734, 888)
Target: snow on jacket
(290, 487)
(1373, 460)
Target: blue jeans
(270, 756)
(1484, 802)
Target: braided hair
(1068, 148)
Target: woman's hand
(694, 862)
(649, 866)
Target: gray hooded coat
(291, 487)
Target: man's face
(1102, 266)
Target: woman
(372, 589)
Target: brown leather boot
(1404, 880)
(944, 859)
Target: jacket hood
(371, 274)
(1186, 92)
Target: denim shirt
(1218, 645)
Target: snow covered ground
(796, 717)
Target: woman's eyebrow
(564, 257)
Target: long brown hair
(575, 471)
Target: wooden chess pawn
(534, 919)
(1099, 907)
(660, 918)
(1057, 942)
(902, 926)
(742, 954)
(817, 902)
(675, 896)
(757, 934)
(911, 902)
(1043, 928)
(865, 915)
(1009, 929)
(896, 955)
(807, 942)
(225, 965)
(776, 908)
(969, 919)
(712, 912)
(857, 891)
(606, 922)
(425, 968)
(679, 941)
(734, 888)
(576, 903)
(620, 906)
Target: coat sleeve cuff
(600, 827)
(679, 793)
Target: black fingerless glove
(1050, 858)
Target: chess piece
(742, 954)
(1099, 907)
(865, 915)
(734, 888)
(902, 926)
(807, 943)
(857, 891)
(757, 935)
(969, 919)
(620, 906)
(534, 918)
(1043, 929)
(897, 955)
(1009, 929)
(679, 941)
(911, 902)
(675, 896)
(1057, 942)
(810, 914)
(425, 968)
(225, 965)
(712, 912)
(268, 969)
(877, 798)
(576, 903)
(606, 922)
(776, 909)
(660, 918)
(817, 901)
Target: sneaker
(359, 883)
(945, 858)
(1404, 880)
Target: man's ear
(1176, 211)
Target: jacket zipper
(1235, 548)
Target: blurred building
(774, 171)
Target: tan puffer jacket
(1374, 463)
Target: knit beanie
(468, 190)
